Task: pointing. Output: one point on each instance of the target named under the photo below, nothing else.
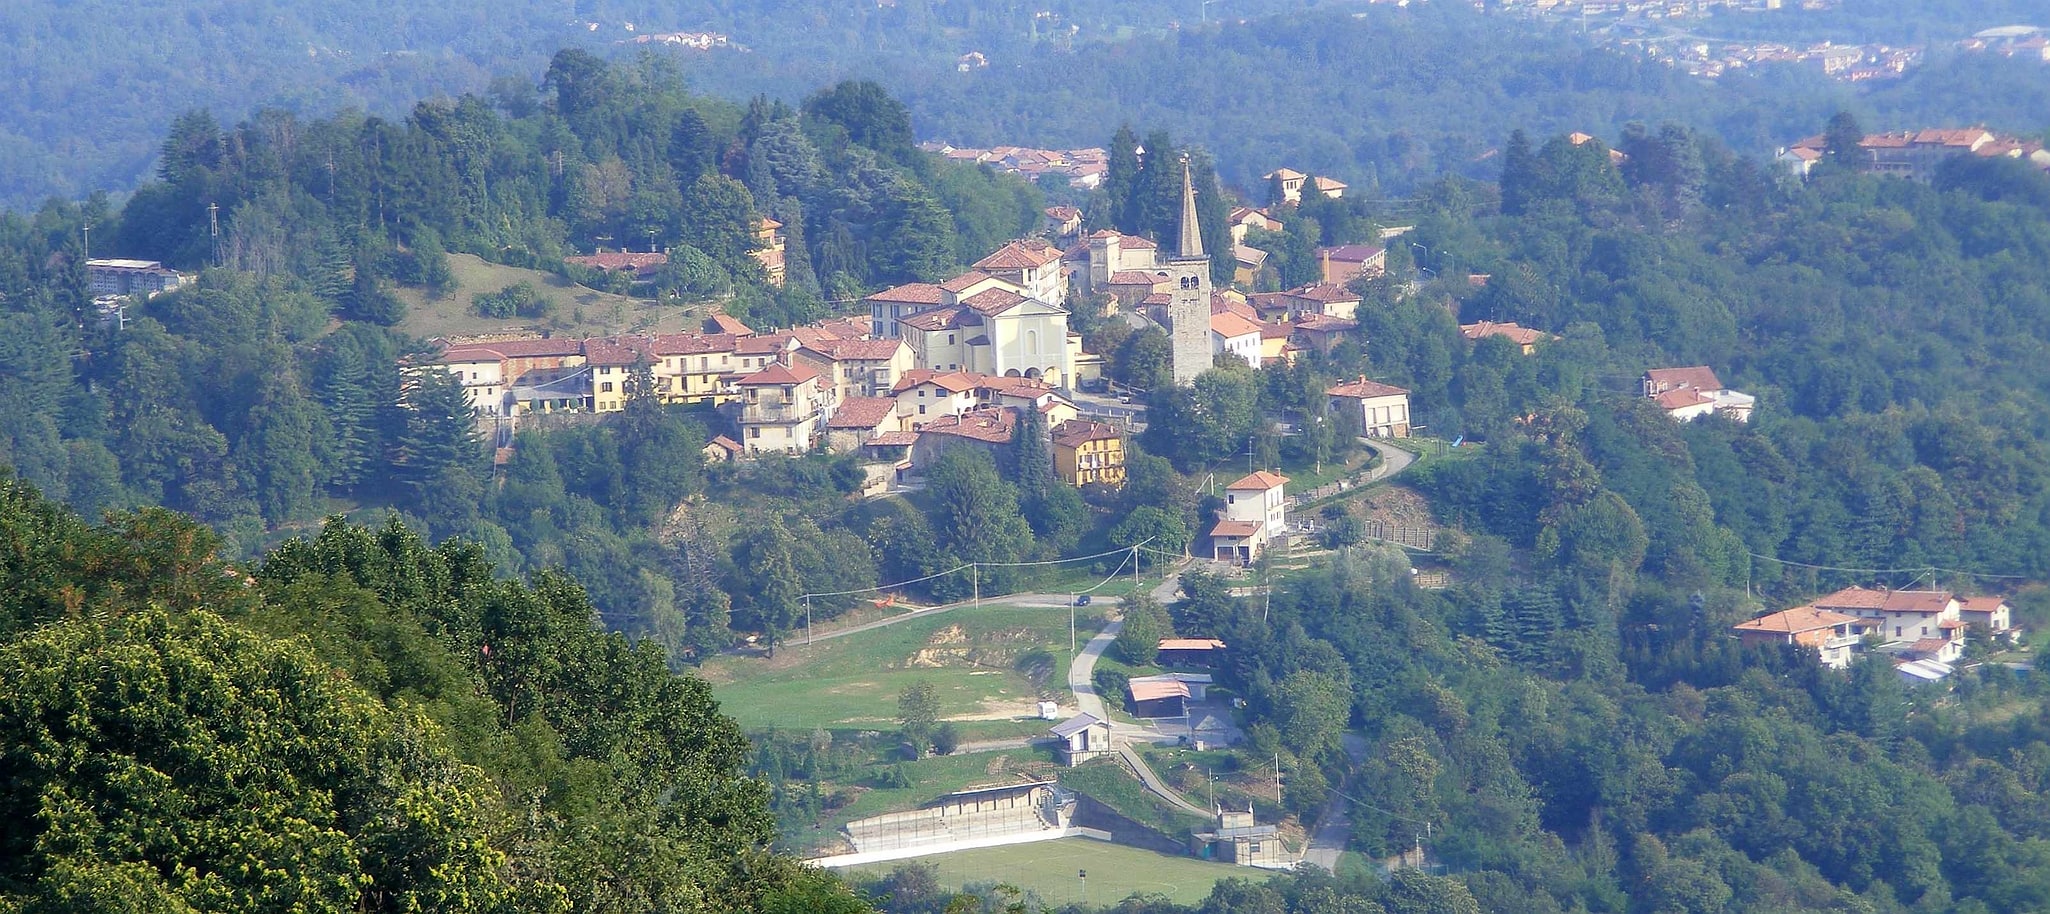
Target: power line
(1922, 569)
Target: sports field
(1050, 867)
(988, 665)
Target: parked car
(1082, 600)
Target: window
(605, 387)
(755, 432)
(1925, 631)
(950, 339)
(921, 409)
(1230, 499)
(1896, 631)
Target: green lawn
(990, 665)
(1107, 782)
(578, 311)
(1050, 867)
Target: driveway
(1334, 827)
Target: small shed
(1159, 696)
(1082, 737)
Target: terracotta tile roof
(1135, 278)
(1917, 601)
(1261, 480)
(536, 347)
(965, 281)
(726, 444)
(1980, 604)
(1521, 336)
(695, 343)
(954, 381)
(1076, 432)
(1239, 528)
(1324, 183)
(1191, 644)
(1154, 688)
(619, 351)
(892, 439)
(1853, 598)
(1232, 326)
(844, 328)
(1221, 305)
(1699, 377)
(1929, 645)
(858, 350)
(778, 374)
(477, 352)
(1250, 256)
(936, 319)
(1324, 293)
(1063, 213)
(993, 302)
(1020, 255)
(1324, 323)
(727, 323)
(765, 344)
(916, 293)
(1361, 389)
(1681, 398)
(992, 425)
(1795, 621)
(863, 412)
(1285, 174)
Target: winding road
(1086, 699)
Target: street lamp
(1084, 876)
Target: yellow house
(1087, 452)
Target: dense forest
(358, 721)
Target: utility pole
(975, 576)
(88, 230)
(1071, 621)
(1277, 778)
(807, 620)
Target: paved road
(1334, 827)
(1079, 674)
(1393, 460)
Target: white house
(1689, 393)
(1255, 514)
(782, 409)
(1833, 635)
(1381, 410)
(1233, 333)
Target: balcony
(1842, 641)
(778, 411)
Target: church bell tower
(1188, 308)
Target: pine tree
(1519, 174)
(1121, 179)
(440, 435)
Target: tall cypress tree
(1121, 177)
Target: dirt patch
(1003, 708)
(994, 651)
(1395, 505)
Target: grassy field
(578, 311)
(1050, 867)
(990, 667)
